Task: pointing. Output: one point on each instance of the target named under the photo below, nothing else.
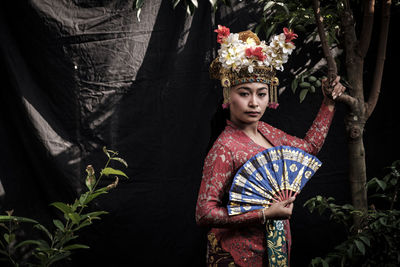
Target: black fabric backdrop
(80, 75)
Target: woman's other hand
(280, 210)
(332, 90)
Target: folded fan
(274, 174)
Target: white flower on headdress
(236, 54)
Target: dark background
(81, 75)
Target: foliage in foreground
(377, 240)
(57, 245)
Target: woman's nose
(253, 101)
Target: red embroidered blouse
(243, 235)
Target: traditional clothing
(242, 237)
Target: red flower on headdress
(223, 32)
(289, 34)
(273, 105)
(257, 52)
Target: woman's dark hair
(218, 123)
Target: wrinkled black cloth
(80, 75)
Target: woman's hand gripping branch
(332, 90)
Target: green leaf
(69, 238)
(350, 251)
(41, 256)
(58, 257)
(360, 246)
(310, 204)
(378, 196)
(6, 218)
(43, 245)
(104, 148)
(365, 240)
(347, 207)
(386, 178)
(7, 238)
(381, 184)
(268, 5)
(371, 183)
(83, 199)
(122, 161)
(83, 224)
(324, 263)
(294, 85)
(74, 217)
(62, 206)
(12, 237)
(59, 224)
(314, 261)
(383, 221)
(305, 85)
(303, 94)
(257, 29)
(27, 242)
(270, 30)
(95, 195)
(75, 246)
(94, 214)
(284, 7)
(110, 171)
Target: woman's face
(248, 102)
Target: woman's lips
(252, 113)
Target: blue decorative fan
(274, 174)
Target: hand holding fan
(274, 174)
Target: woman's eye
(243, 94)
(262, 94)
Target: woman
(246, 68)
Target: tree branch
(348, 100)
(367, 25)
(380, 59)
(332, 69)
(354, 62)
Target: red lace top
(243, 235)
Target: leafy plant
(299, 16)
(376, 241)
(58, 245)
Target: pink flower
(273, 105)
(223, 32)
(289, 34)
(225, 105)
(257, 52)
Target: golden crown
(243, 58)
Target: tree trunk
(357, 167)
(359, 110)
(355, 119)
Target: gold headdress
(243, 58)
